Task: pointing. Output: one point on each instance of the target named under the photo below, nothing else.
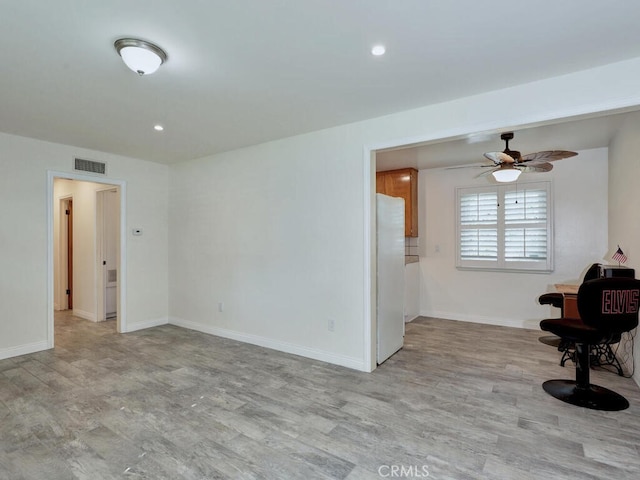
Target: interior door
(69, 237)
(111, 209)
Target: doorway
(461, 135)
(86, 248)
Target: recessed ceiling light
(158, 128)
(378, 50)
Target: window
(505, 227)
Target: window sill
(504, 270)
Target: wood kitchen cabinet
(402, 183)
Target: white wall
(411, 291)
(624, 208)
(272, 232)
(579, 186)
(23, 239)
(281, 232)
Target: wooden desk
(570, 294)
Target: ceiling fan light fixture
(505, 175)
(141, 56)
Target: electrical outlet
(221, 306)
(331, 325)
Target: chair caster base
(593, 396)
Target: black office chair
(608, 307)
(602, 354)
(556, 300)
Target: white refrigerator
(390, 275)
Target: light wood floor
(460, 401)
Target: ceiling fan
(507, 165)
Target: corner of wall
(133, 327)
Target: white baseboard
(86, 315)
(23, 349)
(132, 327)
(343, 361)
(503, 322)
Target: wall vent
(90, 166)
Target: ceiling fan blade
(532, 163)
(486, 172)
(548, 156)
(537, 167)
(475, 165)
(499, 158)
(463, 166)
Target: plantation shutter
(478, 220)
(505, 227)
(525, 218)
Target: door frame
(121, 322)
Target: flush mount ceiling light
(378, 50)
(142, 57)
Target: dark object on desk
(594, 271)
(608, 271)
(608, 307)
(611, 271)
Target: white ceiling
(241, 72)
